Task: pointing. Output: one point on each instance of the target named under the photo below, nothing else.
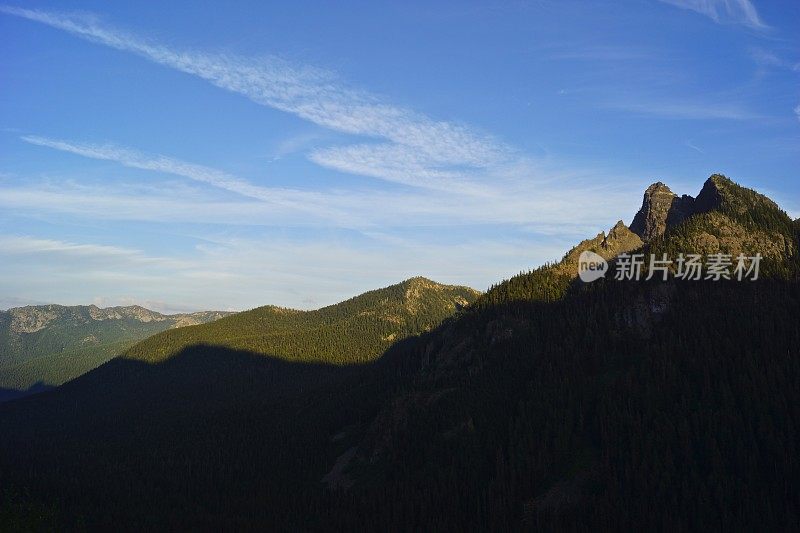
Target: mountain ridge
(47, 345)
(32, 318)
(389, 313)
(547, 403)
(661, 328)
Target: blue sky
(221, 156)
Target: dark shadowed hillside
(203, 384)
(548, 404)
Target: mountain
(46, 345)
(357, 330)
(617, 405)
(549, 282)
(661, 209)
(730, 219)
(725, 218)
(546, 404)
(197, 385)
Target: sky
(199, 155)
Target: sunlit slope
(357, 330)
(724, 218)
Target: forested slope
(357, 330)
(547, 405)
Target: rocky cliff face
(661, 208)
(682, 208)
(730, 219)
(710, 196)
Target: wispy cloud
(765, 58)
(724, 11)
(694, 147)
(26, 245)
(314, 95)
(572, 209)
(242, 273)
(44, 269)
(565, 200)
(455, 178)
(160, 163)
(457, 168)
(397, 163)
(797, 111)
(294, 144)
(768, 60)
(288, 198)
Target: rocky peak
(661, 208)
(618, 231)
(619, 240)
(710, 196)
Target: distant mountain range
(545, 403)
(46, 345)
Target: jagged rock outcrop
(661, 208)
(619, 240)
(731, 219)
